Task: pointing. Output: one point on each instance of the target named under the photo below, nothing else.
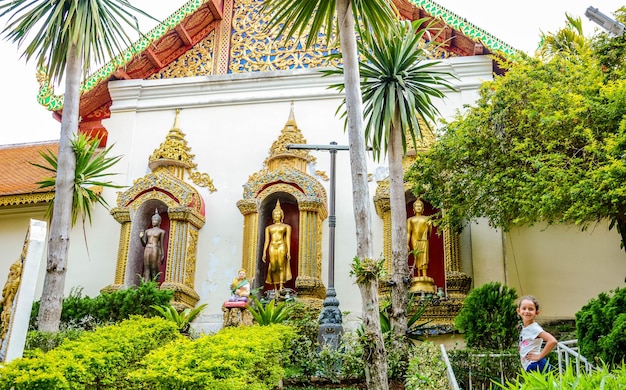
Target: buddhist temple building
(202, 109)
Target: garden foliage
(601, 328)
(249, 358)
(488, 318)
(97, 360)
(84, 312)
(602, 378)
(543, 143)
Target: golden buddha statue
(418, 229)
(278, 240)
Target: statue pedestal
(236, 314)
(424, 284)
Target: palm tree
(92, 165)
(568, 41)
(65, 36)
(398, 88)
(297, 18)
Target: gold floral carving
(10, 290)
(280, 156)
(322, 175)
(202, 180)
(197, 61)
(190, 266)
(14, 200)
(255, 49)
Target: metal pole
(330, 321)
(332, 220)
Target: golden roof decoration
(174, 150)
(175, 155)
(290, 134)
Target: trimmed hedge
(250, 358)
(97, 360)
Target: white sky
(516, 23)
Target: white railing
(567, 352)
(454, 385)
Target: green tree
(398, 88)
(91, 168)
(65, 36)
(545, 142)
(298, 17)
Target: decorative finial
(176, 119)
(292, 117)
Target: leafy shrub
(601, 378)
(183, 318)
(97, 360)
(234, 358)
(46, 341)
(83, 312)
(269, 313)
(488, 318)
(601, 327)
(303, 347)
(427, 370)
(482, 367)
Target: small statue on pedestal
(240, 287)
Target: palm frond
(49, 28)
(92, 168)
(297, 18)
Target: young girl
(532, 336)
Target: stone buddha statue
(153, 254)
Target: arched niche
(182, 215)
(284, 178)
(289, 205)
(143, 218)
(445, 255)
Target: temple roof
(18, 176)
(198, 18)
(190, 25)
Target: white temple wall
(564, 267)
(230, 123)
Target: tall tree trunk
(375, 365)
(59, 239)
(399, 253)
(374, 353)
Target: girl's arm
(550, 343)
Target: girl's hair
(529, 298)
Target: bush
(488, 318)
(83, 312)
(427, 370)
(481, 368)
(97, 360)
(601, 328)
(235, 358)
(46, 341)
(598, 379)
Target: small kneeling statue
(240, 287)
